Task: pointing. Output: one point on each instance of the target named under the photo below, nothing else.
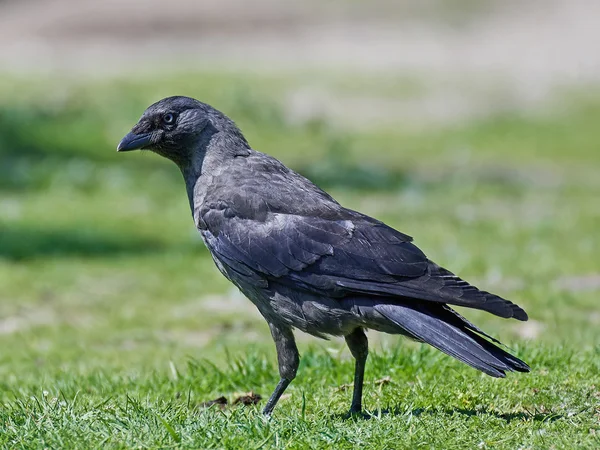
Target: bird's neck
(210, 159)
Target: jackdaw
(307, 262)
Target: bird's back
(266, 222)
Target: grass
(115, 326)
(431, 402)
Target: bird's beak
(134, 141)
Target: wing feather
(338, 257)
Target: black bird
(307, 262)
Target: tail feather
(447, 331)
(476, 333)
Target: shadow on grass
(26, 244)
(337, 169)
(329, 173)
(524, 416)
(70, 145)
(60, 133)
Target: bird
(307, 262)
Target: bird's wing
(336, 257)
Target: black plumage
(306, 261)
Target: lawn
(116, 328)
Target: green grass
(115, 326)
(431, 401)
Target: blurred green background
(473, 127)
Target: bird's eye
(169, 118)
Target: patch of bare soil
(222, 403)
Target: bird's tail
(446, 330)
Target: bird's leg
(288, 359)
(359, 347)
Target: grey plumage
(304, 260)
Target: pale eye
(169, 118)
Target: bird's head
(177, 128)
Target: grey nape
(307, 262)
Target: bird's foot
(356, 412)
